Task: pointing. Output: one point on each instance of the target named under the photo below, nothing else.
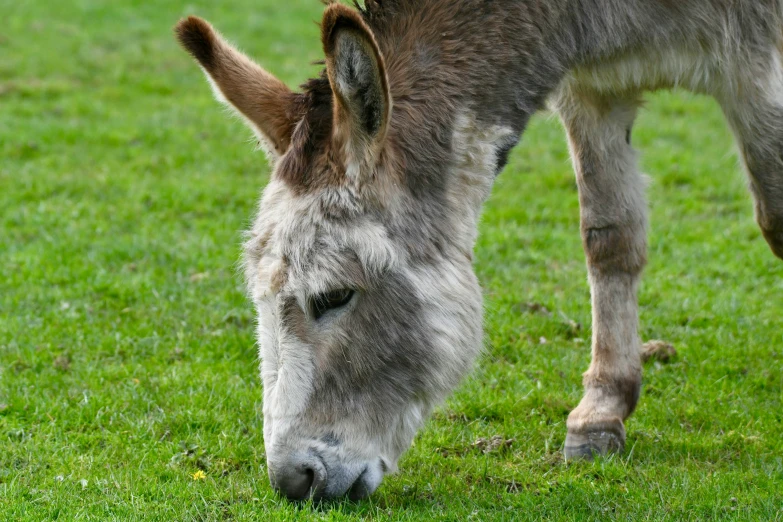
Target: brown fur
(263, 99)
(311, 163)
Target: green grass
(127, 359)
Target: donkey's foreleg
(613, 224)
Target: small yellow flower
(199, 475)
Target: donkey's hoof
(586, 445)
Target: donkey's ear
(357, 75)
(264, 101)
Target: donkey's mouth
(310, 476)
(361, 488)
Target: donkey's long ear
(264, 101)
(357, 75)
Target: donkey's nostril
(296, 484)
(299, 481)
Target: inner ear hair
(356, 71)
(358, 80)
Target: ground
(129, 387)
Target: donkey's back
(708, 46)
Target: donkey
(360, 259)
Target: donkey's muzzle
(301, 478)
(307, 476)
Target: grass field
(128, 374)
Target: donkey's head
(368, 313)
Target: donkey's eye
(330, 300)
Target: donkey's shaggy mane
(377, 12)
(305, 165)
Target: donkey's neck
(465, 78)
(502, 57)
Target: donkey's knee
(619, 248)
